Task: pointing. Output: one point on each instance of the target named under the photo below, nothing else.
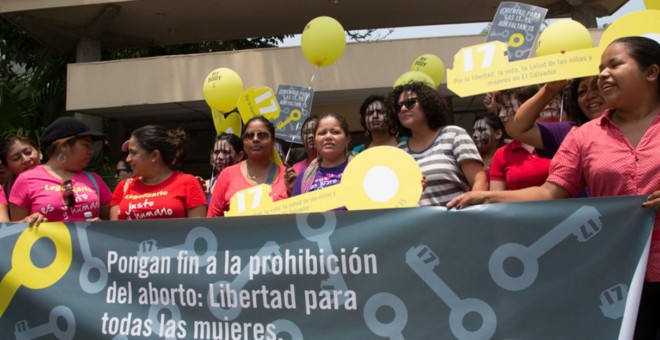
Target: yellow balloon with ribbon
(414, 76)
(563, 36)
(431, 65)
(222, 87)
(323, 41)
(652, 4)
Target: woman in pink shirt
(18, 153)
(4, 212)
(257, 168)
(614, 155)
(60, 190)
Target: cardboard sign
(517, 25)
(296, 105)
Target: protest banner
(518, 271)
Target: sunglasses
(124, 169)
(409, 103)
(261, 135)
(67, 195)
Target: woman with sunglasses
(18, 153)
(157, 189)
(446, 154)
(257, 168)
(60, 190)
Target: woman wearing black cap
(60, 190)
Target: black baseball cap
(65, 127)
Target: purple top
(325, 177)
(552, 134)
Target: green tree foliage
(32, 82)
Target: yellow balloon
(563, 36)
(431, 65)
(414, 76)
(652, 4)
(640, 23)
(222, 88)
(323, 41)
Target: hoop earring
(61, 157)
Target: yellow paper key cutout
(378, 178)
(24, 272)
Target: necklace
(249, 173)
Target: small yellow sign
(485, 67)
(229, 124)
(258, 102)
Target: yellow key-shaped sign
(258, 102)
(485, 68)
(25, 273)
(378, 178)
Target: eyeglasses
(124, 169)
(67, 195)
(409, 103)
(261, 135)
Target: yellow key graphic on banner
(378, 178)
(25, 273)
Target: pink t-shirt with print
(38, 191)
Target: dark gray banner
(538, 270)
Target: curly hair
(431, 103)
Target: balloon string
(311, 81)
(293, 138)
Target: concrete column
(88, 50)
(582, 11)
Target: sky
(470, 29)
